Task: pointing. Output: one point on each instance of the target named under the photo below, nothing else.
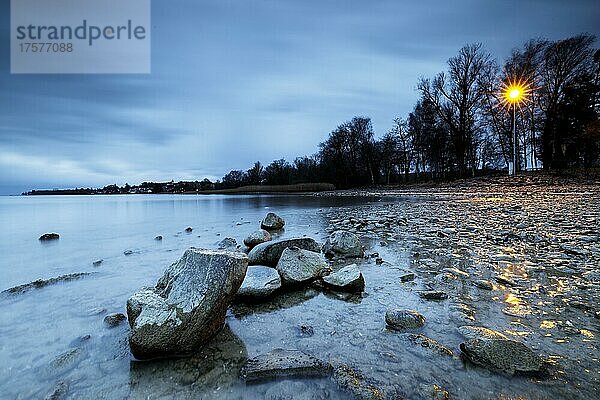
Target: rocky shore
(478, 293)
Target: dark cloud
(237, 81)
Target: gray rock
(229, 244)
(343, 244)
(49, 236)
(269, 253)
(502, 355)
(347, 279)
(483, 284)
(280, 363)
(407, 277)
(297, 266)
(272, 222)
(113, 320)
(97, 263)
(479, 332)
(257, 237)
(399, 319)
(159, 238)
(433, 295)
(188, 305)
(189, 229)
(260, 282)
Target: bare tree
(458, 97)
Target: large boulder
(257, 237)
(268, 253)
(260, 282)
(297, 266)
(272, 222)
(347, 279)
(343, 244)
(188, 305)
(502, 355)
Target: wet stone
(260, 282)
(305, 330)
(59, 392)
(430, 344)
(49, 236)
(433, 295)
(113, 320)
(479, 332)
(280, 363)
(272, 222)
(502, 355)
(347, 279)
(483, 284)
(407, 277)
(355, 383)
(399, 319)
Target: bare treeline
(460, 125)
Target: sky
(236, 81)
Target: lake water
(41, 330)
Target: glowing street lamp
(514, 93)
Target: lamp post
(514, 94)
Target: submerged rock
(65, 361)
(483, 284)
(59, 392)
(269, 253)
(433, 295)
(343, 244)
(257, 237)
(429, 343)
(49, 236)
(502, 355)
(280, 363)
(479, 332)
(347, 279)
(97, 263)
(399, 319)
(113, 320)
(40, 283)
(272, 222)
(188, 305)
(260, 282)
(293, 390)
(354, 382)
(297, 266)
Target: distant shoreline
(251, 189)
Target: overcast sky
(233, 82)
